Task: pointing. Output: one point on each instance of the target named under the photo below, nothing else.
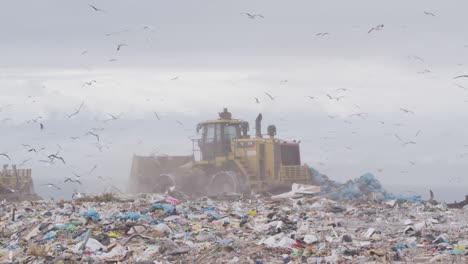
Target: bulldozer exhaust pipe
(258, 126)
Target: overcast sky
(187, 60)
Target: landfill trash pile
(154, 228)
(366, 187)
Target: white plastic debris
(310, 239)
(369, 232)
(278, 241)
(163, 228)
(408, 222)
(298, 190)
(92, 245)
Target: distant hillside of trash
(365, 187)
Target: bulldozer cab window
(290, 155)
(209, 133)
(231, 131)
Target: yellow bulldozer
(16, 184)
(225, 159)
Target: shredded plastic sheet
(92, 214)
(362, 188)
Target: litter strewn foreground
(153, 228)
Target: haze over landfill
(136, 77)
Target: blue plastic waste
(13, 247)
(91, 214)
(134, 216)
(225, 241)
(168, 209)
(357, 189)
(50, 235)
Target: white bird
(342, 89)
(337, 98)
(88, 83)
(271, 97)
(376, 28)
(120, 46)
(117, 32)
(157, 116)
(114, 117)
(93, 134)
(322, 34)
(406, 111)
(97, 9)
(253, 16)
(77, 111)
(5, 155)
(404, 143)
(429, 13)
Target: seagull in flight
(310, 97)
(88, 83)
(71, 180)
(52, 157)
(461, 76)
(361, 115)
(77, 111)
(424, 72)
(34, 120)
(414, 57)
(34, 150)
(93, 134)
(97, 9)
(342, 89)
(406, 111)
(175, 78)
(460, 86)
(271, 97)
(120, 46)
(5, 155)
(41, 126)
(429, 13)
(256, 100)
(114, 117)
(253, 16)
(50, 185)
(404, 143)
(376, 28)
(337, 98)
(93, 169)
(322, 34)
(157, 116)
(117, 32)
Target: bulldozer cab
(216, 135)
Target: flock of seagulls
(333, 97)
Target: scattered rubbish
(306, 227)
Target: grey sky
(222, 58)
